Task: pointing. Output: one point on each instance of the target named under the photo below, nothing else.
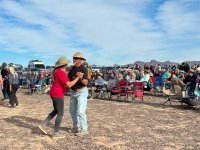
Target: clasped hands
(79, 75)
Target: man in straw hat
(79, 95)
(60, 83)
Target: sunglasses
(76, 58)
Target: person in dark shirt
(190, 80)
(184, 66)
(72, 75)
(4, 74)
(79, 94)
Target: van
(36, 64)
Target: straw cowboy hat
(79, 55)
(61, 62)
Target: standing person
(14, 85)
(79, 94)
(4, 73)
(60, 83)
(1, 82)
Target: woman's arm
(72, 83)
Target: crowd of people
(79, 76)
(173, 75)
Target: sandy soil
(112, 125)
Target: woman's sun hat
(61, 62)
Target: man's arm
(85, 76)
(85, 82)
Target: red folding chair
(138, 90)
(119, 90)
(123, 85)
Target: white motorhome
(95, 68)
(36, 64)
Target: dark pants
(13, 97)
(5, 89)
(58, 105)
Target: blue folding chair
(158, 83)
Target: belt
(79, 89)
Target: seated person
(100, 81)
(145, 77)
(120, 77)
(130, 77)
(179, 74)
(112, 82)
(190, 80)
(166, 74)
(174, 82)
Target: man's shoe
(57, 135)
(41, 127)
(74, 130)
(81, 133)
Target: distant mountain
(155, 62)
(191, 63)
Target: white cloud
(104, 30)
(180, 17)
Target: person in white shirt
(145, 77)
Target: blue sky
(107, 31)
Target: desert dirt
(112, 125)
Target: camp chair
(138, 90)
(38, 87)
(191, 98)
(115, 90)
(158, 83)
(101, 91)
(172, 96)
(123, 87)
(119, 90)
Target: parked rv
(36, 64)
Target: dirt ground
(112, 125)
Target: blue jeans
(78, 105)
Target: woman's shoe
(57, 135)
(42, 128)
(10, 106)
